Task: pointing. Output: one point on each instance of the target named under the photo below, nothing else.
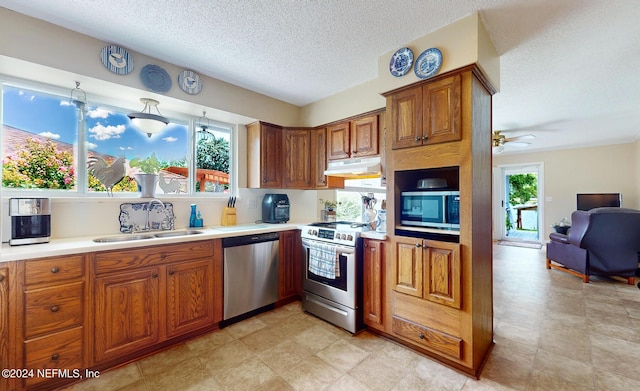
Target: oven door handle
(340, 249)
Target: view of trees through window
(44, 135)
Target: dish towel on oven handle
(324, 260)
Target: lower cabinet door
(190, 297)
(60, 351)
(373, 283)
(126, 313)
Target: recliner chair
(600, 242)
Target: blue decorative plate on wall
(428, 63)
(190, 82)
(401, 62)
(116, 59)
(155, 78)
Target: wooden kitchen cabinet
(373, 281)
(297, 159)
(127, 313)
(144, 297)
(190, 293)
(439, 293)
(53, 297)
(364, 137)
(6, 326)
(427, 114)
(319, 156)
(339, 139)
(353, 139)
(264, 155)
(428, 269)
(289, 266)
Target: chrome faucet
(154, 200)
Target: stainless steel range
(332, 280)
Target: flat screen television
(598, 200)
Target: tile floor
(552, 332)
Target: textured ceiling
(569, 68)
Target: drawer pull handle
(163, 255)
(55, 308)
(55, 269)
(421, 336)
(55, 356)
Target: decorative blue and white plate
(155, 78)
(428, 63)
(190, 82)
(401, 62)
(133, 217)
(116, 59)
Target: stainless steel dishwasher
(250, 273)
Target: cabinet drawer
(53, 309)
(52, 270)
(428, 337)
(127, 260)
(61, 350)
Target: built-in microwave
(434, 209)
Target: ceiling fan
(499, 140)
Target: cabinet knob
(55, 308)
(171, 272)
(424, 138)
(163, 255)
(154, 275)
(264, 180)
(55, 269)
(418, 245)
(417, 138)
(421, 336)
(55, 356)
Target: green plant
(328, 204)
(149, 165)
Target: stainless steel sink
(151, 235)
(123, 238)
(170, 234)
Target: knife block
(229, 216)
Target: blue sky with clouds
(108, 132)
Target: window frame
(81, 146)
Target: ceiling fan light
(146, 121)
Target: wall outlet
(252, 203)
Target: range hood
(355, 168)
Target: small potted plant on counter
(147, 179)
(329, 211)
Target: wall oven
(332, 274)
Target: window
(351, 206)
(54, 144)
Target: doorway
(520, 203)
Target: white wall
(606, 169)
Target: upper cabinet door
(364, 137)
(406, 118)
(297, 158)
(339, 139)
(442, 114)
(271, 156)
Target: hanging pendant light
(146, 121)
(203, 124)
(79, 99)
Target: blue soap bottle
(193, 217)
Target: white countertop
(86, 244)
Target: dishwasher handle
(250, 239)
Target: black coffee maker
(275, 208)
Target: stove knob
(343, 237)
(349, 237)
(314, 233)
